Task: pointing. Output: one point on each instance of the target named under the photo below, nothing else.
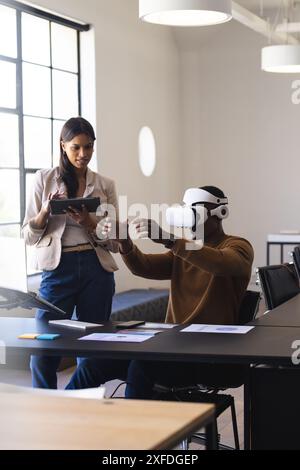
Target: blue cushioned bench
(140, 304)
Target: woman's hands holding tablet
(40, 221)
(46, 206)
(81, 217)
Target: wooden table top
(42, 422)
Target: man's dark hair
(214, 191)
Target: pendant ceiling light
(281, 59)
(185, 12)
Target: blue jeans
(141, 376)
(78, 285)
(93, 372)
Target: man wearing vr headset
(207, 286)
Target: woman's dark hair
(71, 129)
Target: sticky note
(29, 336)
(48, 336)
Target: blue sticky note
(48, 336)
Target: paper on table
(137, 331)
(116, 337)
(159, 326)
(217, 329)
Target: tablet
(60, 206)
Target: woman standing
(77, 267)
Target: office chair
(279, 283)
(296, 259)
(201, 394)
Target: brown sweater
(207, 285)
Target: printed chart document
(158, 326)
(116, 337)
(235, 329)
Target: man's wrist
(125, 246)
(170, 242)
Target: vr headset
(192, 213)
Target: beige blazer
(48, 240)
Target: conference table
(286, 315)
(40, 422)
(264, 344)
(269, 345)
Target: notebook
(74, 324)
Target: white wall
(240, 130)
(218, 119)
(137, 84)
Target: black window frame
(22, 8)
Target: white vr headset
(188, 215)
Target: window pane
(57, 127)
(8, 32)
(10, 231)
(65, 95)
(64, 48)
(37, 142)
(8, 85)
(9, 196)
(35, 39)
(36, 90)
(9, 140)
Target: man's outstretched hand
(109, 229)
(148, 228)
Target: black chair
(201, 394)
(296, 259)
(279, 283)
(249, 307)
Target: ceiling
(271, 8)
(191, 37)
(255, 4)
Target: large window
(39, 90)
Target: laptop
(13, 279)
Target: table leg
(247, 420)
(211, 436)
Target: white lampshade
(281, 59)
(185, 12)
